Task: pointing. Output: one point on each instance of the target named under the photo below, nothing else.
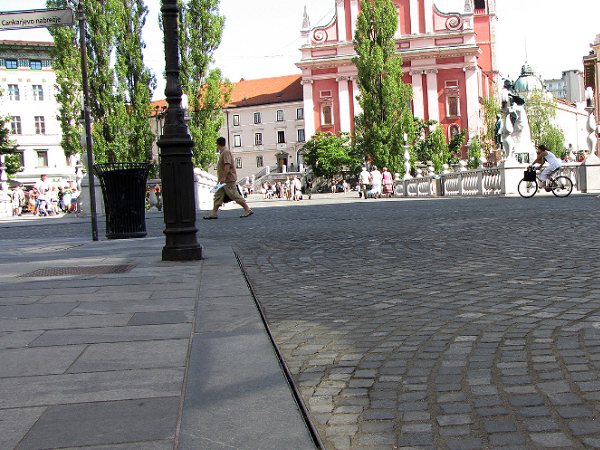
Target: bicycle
(560, 186)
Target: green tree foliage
(8, 148)
(384, 98)
(201, 28)
(474, 153)
(490, 107)
(67, 68)
(541, 109)
(135, 79)
(118, 104)
(328, 154)
(422, 146)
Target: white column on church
(414, 16)
(355, 94)
(472, 94)
(344, 99)
(341, 20)
(428, 16)
(432, 95)
(309, 108)
(354, 11)
(417, 85)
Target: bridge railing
(495, 181)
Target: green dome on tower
(527, 81)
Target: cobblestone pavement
(432, 324)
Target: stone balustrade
(204, 182)
(5, 204)
(499, 181)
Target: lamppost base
(192, 253)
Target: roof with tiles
(262, 91)
(266, 91)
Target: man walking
(226, 174)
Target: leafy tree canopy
(120, 85)
(384, 98)
(201, 28)
(328, 154)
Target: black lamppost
(177, 169)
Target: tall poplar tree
(201, 29)
(119, 108)
(67, 69)
(134, 79)
(384, 98)
(8, 148)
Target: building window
(257, 138)
(237, 140)
(452, 104)
(13, 92)
(15, 124)
(40, 125)
(301, 137)
(35, 64)
(326, 115)
(11, 64)
(238, 163)
(42, 158)
(236, 120)
(280, 115)
(299, 113)
(479, 4)
(259, 161)
(257, 118)
(281, 137)
(38, 92)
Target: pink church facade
(448, 58)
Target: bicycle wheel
(564, 186)
(527, 188)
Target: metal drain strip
(83, 270)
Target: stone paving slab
(411, 323)
(105, 422)
(436, 324)
(103, 361)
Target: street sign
(36, 18)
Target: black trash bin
(124, 192)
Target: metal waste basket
(124, 192)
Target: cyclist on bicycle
(546, 156)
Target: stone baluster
(591, 122)
(406, 158)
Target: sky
(262, 37)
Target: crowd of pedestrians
(44, 199)
(375, 184)
(288, 189)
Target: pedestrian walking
(226, 174)
(365, 181)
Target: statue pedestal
(83, 201)
(589, 175)
(511, 173)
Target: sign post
(39, 18)
(36, 18)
